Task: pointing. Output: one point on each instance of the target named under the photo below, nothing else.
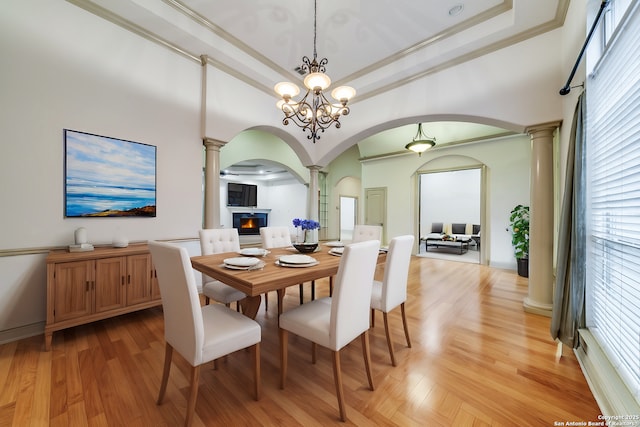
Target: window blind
(613, 199)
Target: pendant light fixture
(421, 142)
(314, 112)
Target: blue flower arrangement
(306, 224)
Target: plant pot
(523, 267)
(305, 248)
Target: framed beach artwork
(108, 177)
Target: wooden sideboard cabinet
(83, 287)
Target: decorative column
(212, 182)
(312, 202)
(540, 297)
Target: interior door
(376, 207)
(348, 213)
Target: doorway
(348, 214)
(451, 199)
(376, 208)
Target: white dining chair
(391, 292)
(333, 322)
(199, 333)
(213, 241)
(362, 233)
(278, 237)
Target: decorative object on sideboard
(80, 236)
(120, 240)
(80, 239)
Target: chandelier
(420, 142)
(314, 112)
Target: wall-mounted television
(242, 194)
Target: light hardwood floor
(477, 360)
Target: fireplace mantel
(242, 209)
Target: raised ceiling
(373, 45)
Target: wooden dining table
(271, 277)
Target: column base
(535, 307)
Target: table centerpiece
(306, 236)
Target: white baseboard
(612, 395)
(502, 265)
(22, 332)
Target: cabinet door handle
(122, 280)
(86, 288)
(128, 279)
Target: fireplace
(249, 223)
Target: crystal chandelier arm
(314, 113)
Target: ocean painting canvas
(108, 177)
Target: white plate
(296, 259)
(336, 251)
(283, 264)
(253, 252)
(241, 262)
(235, 267)
(335, 244)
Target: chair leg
(337, 376)
(281, 293)
(313, 290)
(206, 300)
(373, 318)
(366, 353)
(330, 286)
(388, 334)
(193, 395)
(255, 349)
(406, 325)
(284, 337)
(168, 353)
(266, 302)
(301, 293)
(314, 348)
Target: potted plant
(519, 221)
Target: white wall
(71, 76)
(62, 79)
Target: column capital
(314, 167)
(211, 143)
(544, 128)
(204, 59)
